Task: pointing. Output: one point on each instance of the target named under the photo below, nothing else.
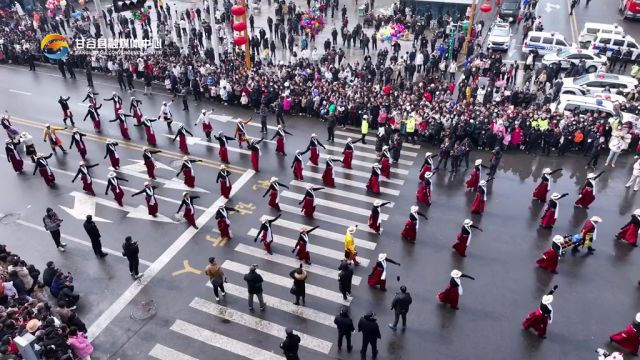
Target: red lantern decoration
(239, 26)
(237, 10)
(486, 7)
(240, 40)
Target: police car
(597, 82)
(573, 56)
(499, 36)
(616, 99)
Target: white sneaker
(138, 276)
(224, 293)
(635, 189)
(63, 244)
(61, 248)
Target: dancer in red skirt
(542, 317)
(378, 276)
(451, 295)
(121, 118)
(91, 96)
(350, 252)
(255, 153)
(551, 256)
(117, 103)
(374, 218)
(423, 195)
(78, 142)
(464, 237)
(150, 197)
(265, 233)
(313, 147)
(309, 200)
(385, 162)
(13, 156)
(42, 166)
(374, 180)
(87, 180)
(552, 211)
(135, 110)
(297, 166)
(149, 162)
(328, 176)
(222, 216)
(302, 245)
(481, 198)
(241, 131)
(628, 338)
(92, 113)
(629, 232)
(223, 180)
(280, 140)
(148, 130)
(347, 153)
(66, 111)
(274, 193)
(207, 128)
(541, 191)
(412, 225)
(427, 165)
(588, 191)
(187, 170)
(113, 184)
(474, 177)
(223, 140)
(166, 114)
(181, 134)
(189, 210)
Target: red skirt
(96, 124)
(153, 209)
(315, 155)
(207, 128)
(223, 227)
(255, 160)
(549, 260)
(189, 216)
(225, 190)
(385, 168)
(189, 179)
(347, 158)
(548, 219)
(82, 150)
(425, 169)
(375, 278)
(461, 246)
(409, 231)
(449, 296)
(49, 178)
(280, 145)
(540, 192)
(87, 185)
(151, 136)
(627, 339)
(478, 204)
(424, 194)
(182, 142)
(586, 198)
(118, 194)
(629, 233)
(151, 169)
(297, 170)
(302, 254)
(17, 163)
(273, 200)
(223, 154)
(474, 180)
(308, 208)
(124, 130)
(138, 116)
(374, 185)
(538, 321)
(373, 223)
(115, 161)
(327, 177)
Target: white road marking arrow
(512, 47)
(137, 169)
(83, 206)
(86, 204)
(549, 7)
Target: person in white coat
(635, 176)
(616, 145)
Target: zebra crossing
(348, 204)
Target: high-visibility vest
(364, 128)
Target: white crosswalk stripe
(370, 136)
(292, 263)
(326, 234)
(313, 249)
(368, 165)
(287, 282)
(360, 184)
(339, 169)
(371, 156)
(223, 342)
(338, 192)
(283, 305)
(373, 147)
(166, 353)
(253, 322)
(328, 218)
(333, 204)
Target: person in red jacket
(542, 317)
(552, 211)
(378, 276)
(551, 256)
(588, 191)
(629, 232)
(588, 235)
(274, 193)
(629, 338)
(464, 237)
(541, 191)
(374, 218)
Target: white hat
(456, 273)
(468, 222)
(313, 135)
(349, 139)
(47, 125)
(264, 218)
(414, 208)
(428, 174)
(591, 175)
(636, 212)
(144, 148)
(428, 154)
(478, 161)
(382, 256)
(483, 183)
(377, 203)
(164, 103)
(546, 171)
(558, 239)
(146, 183)
(351, 229)
(596, 219)
(615, 356)
(297, 151)
(133, 98)
(547, 299)
(111, 174)
(376, 165)
(385, 147)
(273, 179)
(309, 186)
(114, 93)
(555, 196)
(204, 111)
(185, 193)
(75, 130)
(223, 166)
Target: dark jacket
(130, 250)
(369, 328)
(254, 282)
(344, 324)
(92, 230)
(290, 344)
(48, 276)
(401, 302)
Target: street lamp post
(247, 49)
(465, 47)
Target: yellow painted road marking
(187, 269)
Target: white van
(544, 42)
(591, 31)
(571, 103)
(614, 41)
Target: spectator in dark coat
(254, 286)
(49, 273)
(344, 278)
(344, 323)
(94, 234)
(370, 330)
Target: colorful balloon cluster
(391, 32)
(312, 21)
(142, 15)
